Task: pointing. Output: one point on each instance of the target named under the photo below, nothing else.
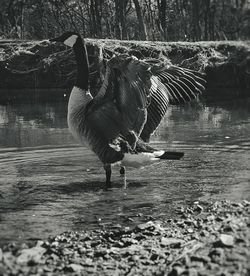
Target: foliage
(166, 20)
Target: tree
(162, 5)
(127, 19)
(142, 26)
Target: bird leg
(107, 168)
(123, 174)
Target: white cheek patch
(70, 41)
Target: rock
(55, 244)
(204, 233)
(74, 268)
(226, 240)
(33, 255)
(219, 218)
(101, 252)
(192, 272)
(3, 270)
(199, 258)
(171, 242)
(217, 255)
(139, 215)
(210, 218)
(154, 257)
(176, 271)
(134, 258)
(67, 251)
(188, 222)
(180, 223)
(118, 244)
(148, 225)
(180, 210)
(236, 257)
(199, 208)
(128, 241)
(152, 248)
(88, 262)
(132, 249)
(237, 204)
(114, 250)
(8, 259)
(246, 202)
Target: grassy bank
(41, 65)
(211, 239)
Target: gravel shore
(203, 239)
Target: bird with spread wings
(117, 123)
(132, 102)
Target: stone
(33, 255)
(74, 268)
(226, 240)
(171, 242)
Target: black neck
(82, 62)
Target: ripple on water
(49, 184)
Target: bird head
(68, 38)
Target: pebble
(168, 248)
(74, 268)
(171, 242)
(226, 240)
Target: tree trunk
(142, 26)
(120, 10)
(206, 18)
(196, 20)
(162, 18)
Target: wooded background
(164, 20)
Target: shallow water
(49, 184)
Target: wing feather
(170, 85)
(138, 94)
(120, 107)
(132, 90)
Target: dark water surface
(49, 184)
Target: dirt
(42, 65)
(203, 239)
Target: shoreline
(203, 239)
(42, 65)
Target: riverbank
(42, 65)
(203, 239)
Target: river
(50, 184)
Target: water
(49, 184)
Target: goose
(117, 123)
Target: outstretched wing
(140, 92)
(120, 107)
(132, 85)
(170, 85)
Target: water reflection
(33, 124)
(49, 184)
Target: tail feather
(146, 158)
(171, 155)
